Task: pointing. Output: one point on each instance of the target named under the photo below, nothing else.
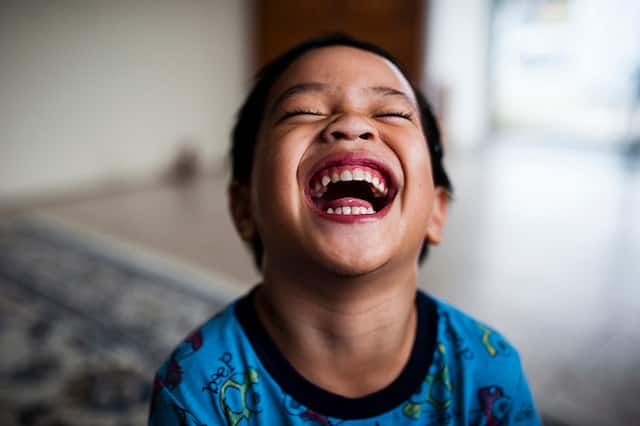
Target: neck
(337, 330)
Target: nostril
(338, 135)
(351, 129)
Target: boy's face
(341, 175)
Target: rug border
(212, 284)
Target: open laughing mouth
(351, 188)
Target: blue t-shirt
(229, 372)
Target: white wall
(94, 92)
(568, 74)
(457, 62)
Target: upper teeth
(357, 174)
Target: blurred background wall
(103, 93)
(457, 69)
(566, 68)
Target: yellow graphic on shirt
(238, 400)
(486, 339)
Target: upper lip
(354, 158)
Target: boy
(338, 186)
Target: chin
(350, 265)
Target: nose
(349, 127)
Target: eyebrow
(298, 88)
(321, 87)
(390, 91)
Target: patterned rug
(82, 331)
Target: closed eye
(298, 112)
(399, 114)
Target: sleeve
(524, 408)
(166, 410)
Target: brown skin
(338, 299)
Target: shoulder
(458, 328)
(221, 332)
(483, 368)
(187, 383)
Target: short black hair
(245, 132)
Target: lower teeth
(350, 210)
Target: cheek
(421, 178)
(419, 194)
(420, 170)
(411, 149)
(274, 179)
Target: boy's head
(336, 155)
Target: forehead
(342, 68)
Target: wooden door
(397, 26)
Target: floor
(84, 327)
(542, 242)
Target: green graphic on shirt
(436, 389)
(238, 400)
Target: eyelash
(400, 114)
(295, 112)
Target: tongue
(346, 202)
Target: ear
(438, 216)
(240, 209)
